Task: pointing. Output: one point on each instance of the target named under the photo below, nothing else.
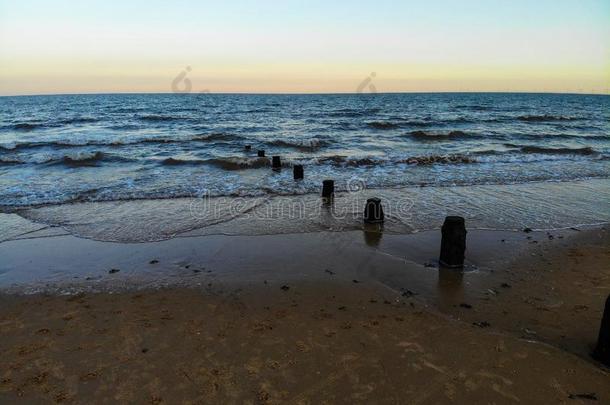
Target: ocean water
(67, 158)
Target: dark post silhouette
(453, 243)
(602, 351)
(276, 163)
(373, 211)
(328, 189)
(261, 153)
(248, 147)
(298, 172)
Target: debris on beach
(483, 324)
(112, 271)
(590, 396)
(527, 230)
(464, 305)
(285, 288)
(153, 261)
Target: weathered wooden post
(276, 163)
(373, 211)
(328, 189)
(453, 243)
(298, 172)
(261, 153)
(602, 351)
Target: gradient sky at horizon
(93, 46)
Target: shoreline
(408, 210)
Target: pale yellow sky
(313, 47)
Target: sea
(144, 167)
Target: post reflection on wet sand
(373, 233)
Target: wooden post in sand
(261, 153)
(328, 189)
(276, 163)
(298, 172)
(453, 243)
(602, 351)
(373, 211)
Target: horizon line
(305, 93)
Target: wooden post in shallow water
(453, 243)
(373, 211)
(328, 189)
(248, 147)
(276, 163)
(298, 172)
(261, 153)
(602, 351)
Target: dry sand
(526, 340)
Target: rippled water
(56, 149)
(501, 160)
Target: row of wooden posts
(453, 243)
(276, 164)
(453, 246)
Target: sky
(290, 46)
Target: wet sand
(554, 293)
(370, 320)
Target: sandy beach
(348, 327)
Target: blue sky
(304, 46)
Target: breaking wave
(72, 159)
(438, 136)
(554, 151)
(414, 160)
(544, 118)
(4, 161)
(31, 126)
(303, 144)
(159, 118)
(26, 126)
(228, 163)
(348, 112)
(119, 142)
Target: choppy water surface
(113, 149)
